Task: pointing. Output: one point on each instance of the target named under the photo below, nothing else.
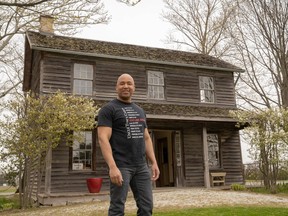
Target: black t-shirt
(128, 122)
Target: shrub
(8, 203)
(238, 187)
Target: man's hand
(155, 172)
(115, 176)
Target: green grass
(282, 189)
(7, 203)
(226, 211)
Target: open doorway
(163, 145)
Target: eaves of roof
(183, 112)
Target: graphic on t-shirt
(133, 123)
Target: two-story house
(186, 96)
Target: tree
(16, 17)
(260, 33)
(38, 125)
(130, 2)
(200, 25)
(268, 136)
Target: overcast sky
(139, 25)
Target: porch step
(58, 199)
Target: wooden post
(48, 161)
(206, 159)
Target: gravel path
(166, 198)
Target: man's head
(125, 87)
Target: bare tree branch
(129, 2)
(16, 17)
(16, 4)
(200, 25)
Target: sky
(138, 25)
(141, 24)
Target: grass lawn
(226, 211)
(211, 211)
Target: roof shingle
(95, 47)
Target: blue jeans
(139, 180)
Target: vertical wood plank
(205, 157)
(48, 171)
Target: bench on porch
(217, 178)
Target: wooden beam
(206, 158)
(48, 172)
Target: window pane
(82, 87)
(213, 150)
(83, 71)
(76, 157)
(82, 152)
(155, 85)
(83, 79)
(206, 85)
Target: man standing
(125, 143)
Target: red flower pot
(94, 184)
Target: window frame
(160, 85)
(218, 155)
(84, 79)
(92, 153)
(205, 90)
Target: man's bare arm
(104, 134)
(151, 156)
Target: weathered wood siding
(181, 84)
(56, 73)
(63, 179)
(193, 157)
(107, 73)
(35, 76)
(232, 159)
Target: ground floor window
(82, 151)
(213, 150)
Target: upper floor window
(206, 89)
(82, 151)
(155, 85)
(83, 79)
(213, 150)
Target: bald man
(125, 144)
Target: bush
(238, 187)
(8, 203)
(282, 188)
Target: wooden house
(187, 98)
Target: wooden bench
(217, 178)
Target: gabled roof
(113, 50)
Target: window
(213, 151)
(82, 151)
(83, 78)
(155, 85)
(206, 89)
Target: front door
(164, 152)
(163, 162)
